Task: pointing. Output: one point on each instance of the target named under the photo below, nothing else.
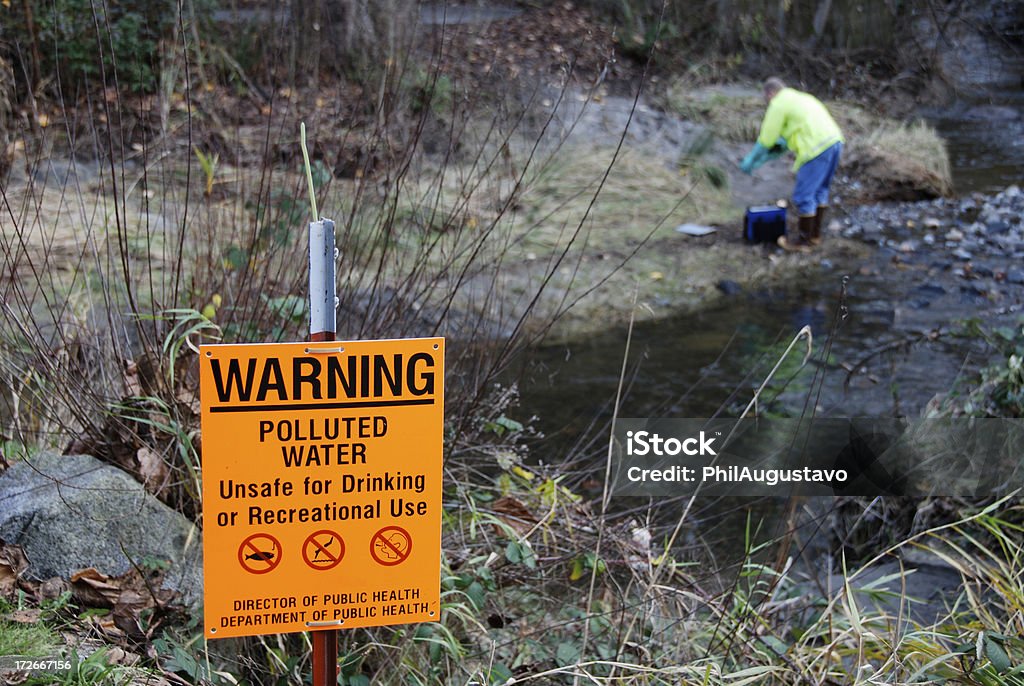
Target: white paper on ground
(695, 229)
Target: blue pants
(813, 180)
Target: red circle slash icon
(391, 546)
(323, 549)
(259, 554)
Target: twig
(804, 332)
(603, 520)
(933, 335)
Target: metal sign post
(322, 295)
(323, 326)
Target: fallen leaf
(94, 589)
(52, 588)
(127, 596)
(16, 678)
(132, 385)
(12, 563)
(514, 514)
(128, 622)
(189, 398)
(106, 627)
(152, 469)
(8, 580)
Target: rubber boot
(819, 221)
(802, 241)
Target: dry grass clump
(902, 162)
(894, 160)
(577, 223)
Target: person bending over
(800, 122)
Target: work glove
(759, 154)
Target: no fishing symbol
(259, 554)
(323, 549)
(391, 546)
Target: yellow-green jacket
(803, 121)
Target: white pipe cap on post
(322, 299)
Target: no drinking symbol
(323, 549)
(391, 546)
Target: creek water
(696, 366)
(985, 140)
(984, 126)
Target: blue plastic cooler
(764, 224)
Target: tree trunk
(820, 19)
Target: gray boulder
(70, 512)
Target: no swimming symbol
(391, 546)
(323, 549)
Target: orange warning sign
(321, 466)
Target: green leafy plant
(997, 390)
(430, 92)
(583, 566)
(987, 661)
(128, 38)
(97, 669)
(208, 163)
(503, 425)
